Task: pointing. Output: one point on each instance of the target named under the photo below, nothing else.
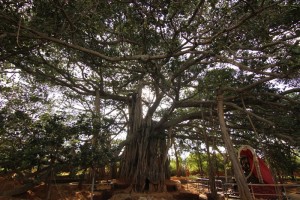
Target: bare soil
(177, 189)
(70, 191)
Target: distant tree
(32, 137)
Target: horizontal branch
(194, 103)
(250, 113)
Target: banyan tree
(148, 152)
(157, 65)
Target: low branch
(182, 118)
(294, 90)
(194, 103)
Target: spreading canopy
(179, 52)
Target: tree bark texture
(97, 171)
(239, 176)
(211, 169)
(144, 157)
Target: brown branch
(18, 32)
(281, 95)
(250, 113)
(290, 91)
(200, 4)
(240, 178)
(142, 57)
(182, 118)
(248, 87)
(248, 69)
(194, 103)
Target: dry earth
(72, 192)
(176, 191)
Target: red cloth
(265, 171)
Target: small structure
(258, 174)
(255, 169)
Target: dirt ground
(178, 189)
(70, 191)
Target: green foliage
(31, 139)
(172, 167)
(27, 142)
(183, 52)
(284, 160)
(193, 163)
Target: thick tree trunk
(239, 176)
(144, 158)
(144, 163)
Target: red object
(264, 192)
(264, 169)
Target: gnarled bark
(145, 155)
